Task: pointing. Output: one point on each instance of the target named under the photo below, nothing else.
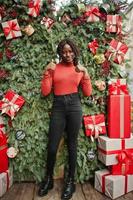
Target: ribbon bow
(12, 27)
(93, 46)
(92, 11)
(35, 7)
(10, 106)
(118, 88)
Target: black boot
(69, 189)
(45, 186)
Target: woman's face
(67, 54)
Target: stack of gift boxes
(6, 177)
(116, 149)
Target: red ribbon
(93, 46)
(92, 11)
(117, 88)
(35, 6)
(12, 27)
(103, 182)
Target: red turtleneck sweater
(65, 80)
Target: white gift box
(111, 185)
(109, 148)
(6, 181)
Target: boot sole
(69, 197)
(44, 194)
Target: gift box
(34, 7)
(47, 22)
(122, 168)
(6, 181)
(119, 116)
(117, 86)
(116, 51)
(93, 46)
(114, 24)
(92, 14)
(11, 103)
(111, 185)
(109, 149)
(11, 29)
(3, 150)
(2, 125)
(94, 125)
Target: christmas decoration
(3, 74)
(34, 7)
(100, 85)
(12, 152)
(81, 7)
(99, 58)
(114, 24)
(2, 125)
(92, 13)
(11, 29)
(3, 149)
(11, 103)
(65, 19)
(104, 8)
(48, 22)
(117, 86)
(91, 155)
(29, 30)
(20, 135)
(93, 46)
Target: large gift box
(11, 103)
(117, 86)
(34, 7)
(116, 51)
(114, 24)
(6, 181)
(11, 29)
(119, 116)
(111, 185)
(109, 149)
(92, 14)
(94, 125)
(3, 150)
(2, 125)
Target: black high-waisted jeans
(66, 115)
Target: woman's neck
(67, 64)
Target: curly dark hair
(74, 47)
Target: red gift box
(114, 24)
(11, 103)
(94, 125)
(11, 29)
(116, 51)
(3, 155)
(93, 46)
(117, 86)
(92, 14)
(122, 168)
(119, 119)
(34, 7)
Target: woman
(64, 78)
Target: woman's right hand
(50, 66)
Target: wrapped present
(11, 29)
(111, 185)
(122, 168)
(93, 46)
(47, 22)
(6, 181)
(119, 116)
(11, 103)
(92, 14)
(94, 125)
(3, 150)
(116, 51)
(2, 125)
(110, 149)
(117, 86)
(114, 24)
(34, 7)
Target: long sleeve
(46, 82)
(86, 86)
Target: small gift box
(2, 125)
(11, 29)
(47, 22)
(114, 24)
(116, 51)
(92, 14)
(109, 150)
(94, 125)
(119, 116)
(11, 103)
(34, 7)
(111, 185)
(93, 46)
(117, 86)
(3, 150)
(6, 181)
